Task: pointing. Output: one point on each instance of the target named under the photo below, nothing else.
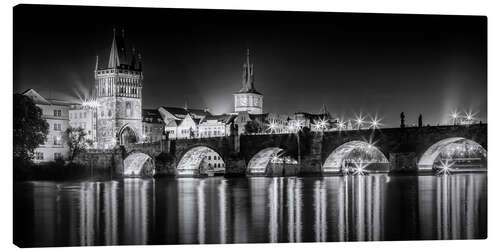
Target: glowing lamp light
(375, 123)
(272, 127)
(360, 120)
(90, 103)
(320, 124)
(360, 168)
(296, 125)
(444, 167)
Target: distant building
(244, 117)
(216, 125)
(152, 125)
(182, 123)
(309, 120)
(248, 99)
(56, 113)
(280, 123)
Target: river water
(240, 210)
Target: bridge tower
(118, 91)
(248, 98)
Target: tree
(30, 129)
(76, 141)
(252, 127)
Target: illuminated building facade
(118, 89)
(182, 123)
(248, 99)
(216, 125)
(56, 113)
(85, 118)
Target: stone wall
(102, 160)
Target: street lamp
(454, 115)
(296, 127)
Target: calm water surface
(240, 210)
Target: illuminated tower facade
(248, 98)
(118, 91)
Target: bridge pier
(403, 162)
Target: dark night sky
(351, 62)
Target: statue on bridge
(402, 115)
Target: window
(128, 109)
(57, 127)
(57, 156)
(57, 112)
(81, 115)
(39, 155)
(57, 140)
(209, 157)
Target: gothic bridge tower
(118, 90)
(248, 98)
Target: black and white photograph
(167, 126)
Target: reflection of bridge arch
(356, 153)
(200, 160)
(448, 148)
(138, 164)
(260, 161)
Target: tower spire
(247, 74)
(114, 58)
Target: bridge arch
(200, 160)
(452, 149)
(138, 164)
(358, 155)
(260, 161)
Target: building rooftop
(224, 118)
(151, 116)
(182, 112)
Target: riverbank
(56, 170)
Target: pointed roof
(36, 97)
(121, 55)
(114, 58)
(182, 112)
(39, 99)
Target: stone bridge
(401, 149)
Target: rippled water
(221, 210)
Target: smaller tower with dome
(248, 98)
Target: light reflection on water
(260, 209)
